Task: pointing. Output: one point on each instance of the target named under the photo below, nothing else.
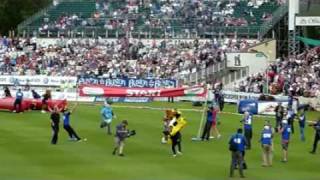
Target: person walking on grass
(121, 134)
(237, 144)
(266, 144)
(107, 117)
(55, 121)
(302, 124)
(214, 123)
(285, 131)
(247, 126)
(316, 127)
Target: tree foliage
(13, 12)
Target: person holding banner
(45, 99)
(107, 116)
(208, 125)
(18, 101)
(66, 124)
(7, 92)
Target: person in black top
(316, 127)
(279, 111)
(7, 92)
(35, 95)
(55, 120)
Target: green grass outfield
(26, 152)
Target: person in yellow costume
(175, 126)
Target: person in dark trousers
(66, 124)
(302, 124)
(18, 101)
(290, 118)
(121, 134)
(316, 127)
(55, 120)
(247, 126)
(208, 125)
(279, 111)
(176, 137)
(7, 92)
(285, 131)
(221, 101)
(237, 145)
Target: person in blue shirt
(290, 118)
(247, 126)
(208, 125)
(266, 144)
(18, 101)
(237, 144)
(302, 124)
(73, 136)
(121, 134)
(107, 116)
(285, 131)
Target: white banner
(308, 21)
(37, 80)
(234, 97)
(69, 96)
(268, 108)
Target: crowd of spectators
(189, 15)
(299, 76)
(112, 58)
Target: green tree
(13, 12)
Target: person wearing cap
(247, 126)
(279, 112)
(107, 116)
(316, 127)
(266, 144)
(121, 134)
(285, 131)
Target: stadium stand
(157, 18)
